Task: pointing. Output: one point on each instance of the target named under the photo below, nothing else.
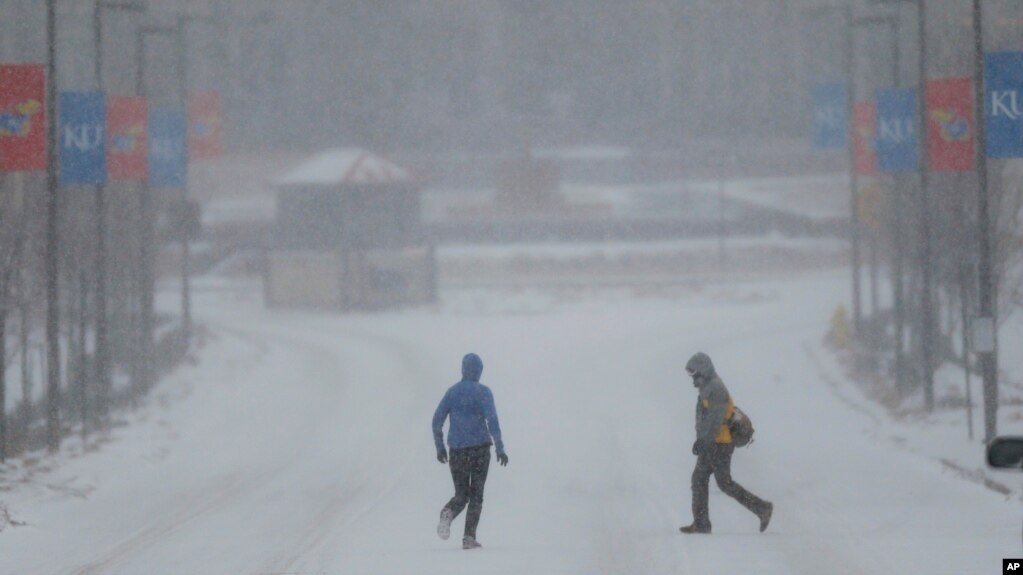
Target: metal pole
(145, 359)
(52, 238)
(186, 295)
(899, 296)
(854, 217)
(964, 307)
(102, 340)
(926, 272)
(103, 377)
(988, 360)
(83, 385)
(892, 23)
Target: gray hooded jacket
(712, 403)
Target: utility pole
(103, 377)
(893, 25)
(987, 358)
(148, 236)
(52, 238)
(854, 216)
(186, 291)
(927, 314)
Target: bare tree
(12, 239)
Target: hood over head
(472, 367)
(701, 368)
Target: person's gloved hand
(700, 446)
(502, 458)
(442, 455)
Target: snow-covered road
(300, 443)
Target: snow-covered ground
(299, 442)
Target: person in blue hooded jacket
(473, 429)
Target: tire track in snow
(203, 502)
(225, 493)
(361, 493)
(340, 513)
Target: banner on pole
(864, 138)
(167, 154)
(205, 131)
(83, 120)
(1003, 81)
(22, 118)
(127, 139)
(898, 144)
(830, 116)
(950, 124)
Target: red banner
(22, 118)
(205, 130)
(950, 124)
(127, 139)
(864, 128)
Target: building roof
(341, 166)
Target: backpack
(741, 428)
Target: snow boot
(444, 526)
(765, 516)
(470, 543)
(694, 528)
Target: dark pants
(718, 461)
(469, 468)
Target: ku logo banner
(22, 118)
(830, 117)
(898, 146)
(167, 153)
(950, 124)
(865, 138)
(127, 139)
(1003, 80)
(83, 120)
(205, 130)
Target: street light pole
(893, 24)
(148, 237)
(926, 260)
(103, 379)
(854, 216)
(988, 359)
(927, 312)
(52, 238)
(186, 295)
(183, 78)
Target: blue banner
(167, 148)
(83, 121)
(830, 117)
(898, 135)
(1003, 81)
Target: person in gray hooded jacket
(713, 448)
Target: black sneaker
(765, 517)
(444, 526)
(470, 543)
(694, 529)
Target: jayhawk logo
(866, 133)
(951, 126)
(125, 142)
(17, 121)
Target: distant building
(349, 235)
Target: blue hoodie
(470, 404)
